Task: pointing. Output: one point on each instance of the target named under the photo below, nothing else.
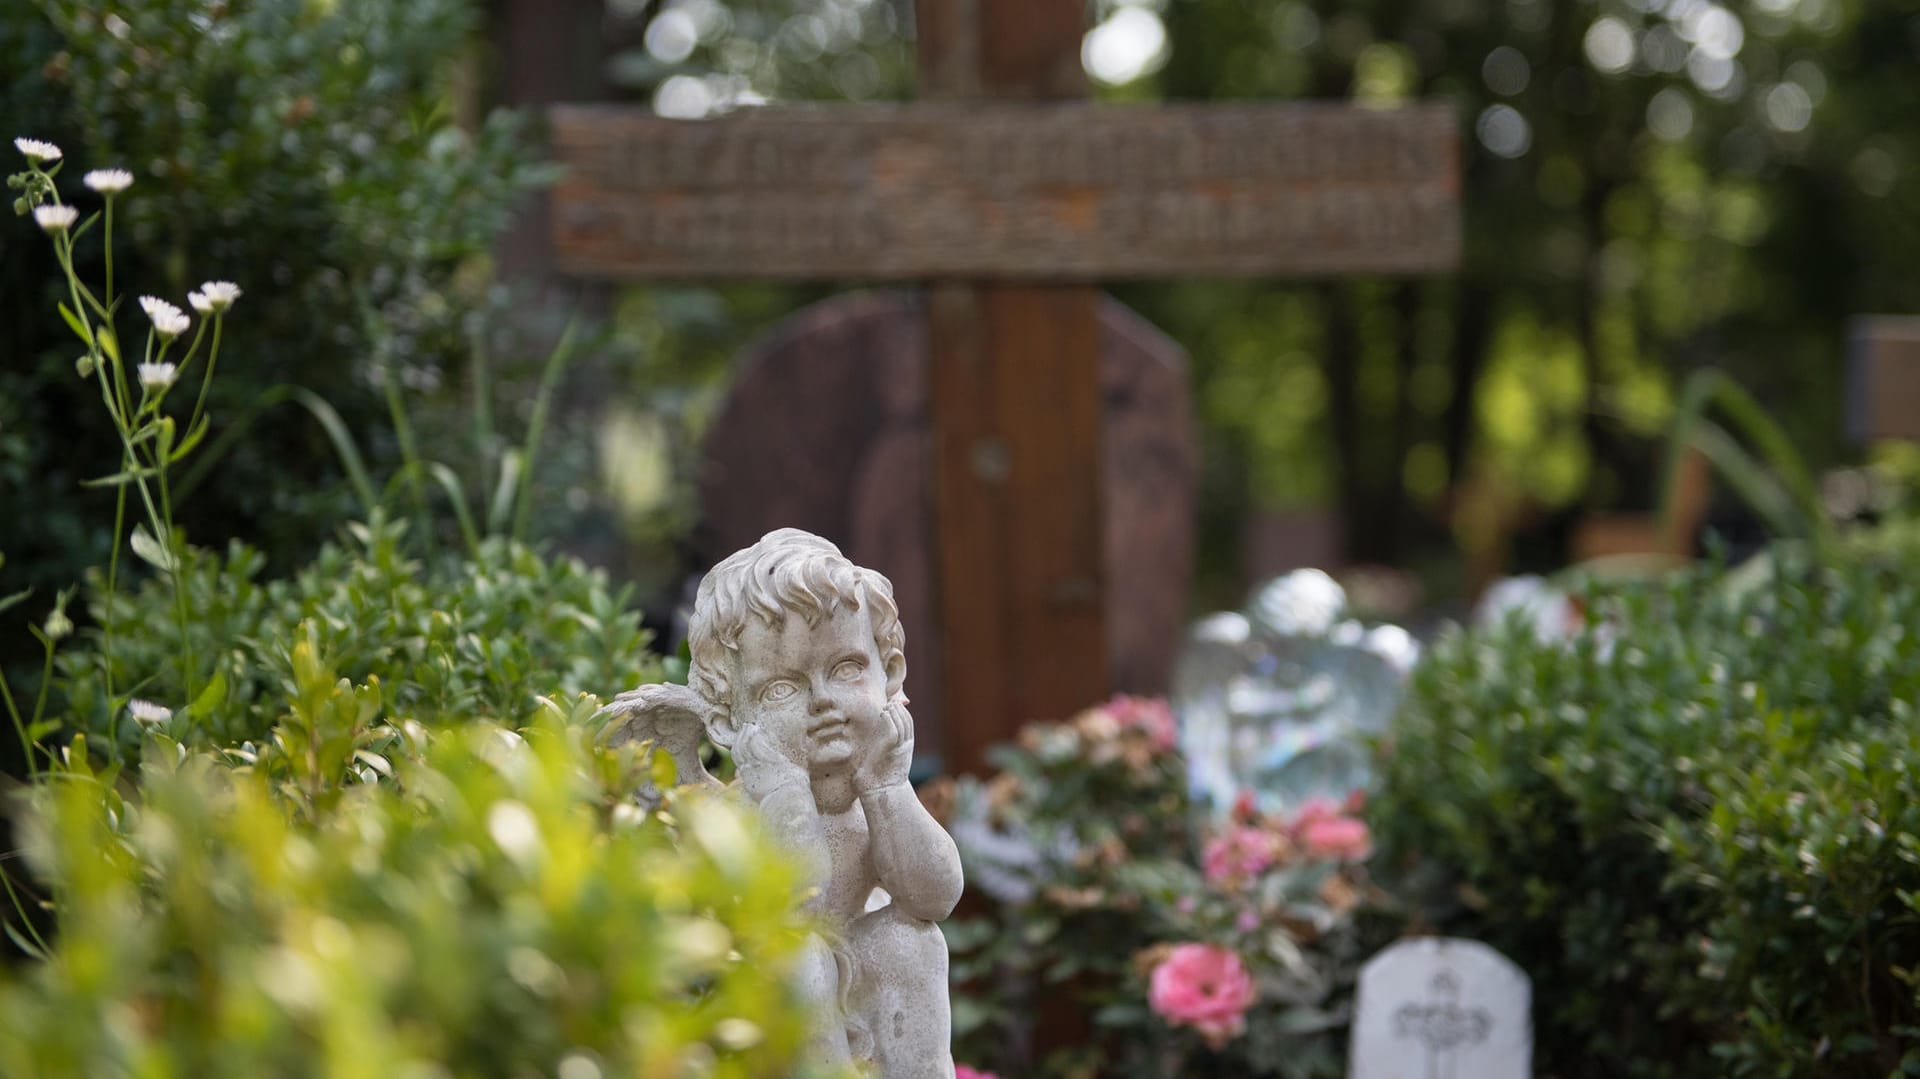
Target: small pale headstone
(1439, 1008)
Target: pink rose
(1344, 838)
(1204, 987)
(1239, 854)
(1313, 809)
(1149, 714)
(961, 1071)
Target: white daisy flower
(168, 321)
(157, 376)
(171, 324)
(199, 302)
(148, 712)
(37, 150)
(55, 218)
(108, 181)
(220, 294)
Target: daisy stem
(206, 378)
(20, 728)
(178, 573)
(109, 243)
(113, 580)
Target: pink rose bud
(961, 1071)
(1313, 809)
(1239, 854)
(1151, 715)
(1343, 838)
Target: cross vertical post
(1015, 410)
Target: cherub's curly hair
(788, 572)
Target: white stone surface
(1440, 1008)
(798, 664)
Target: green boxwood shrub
(1696, 823)
(480, 903)
(485, 636)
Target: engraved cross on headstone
(1442, 1026)
(1437, 1008)
(1008, 201)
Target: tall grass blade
(450, 483)
(513, 479)
(1792, 506)
(537, 426)
(315, 406)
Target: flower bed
(1145, 943)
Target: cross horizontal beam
(1009, 191)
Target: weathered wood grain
(1014, 407)
(1016, 466)
(1008, 191)
(1883, 378)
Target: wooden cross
(1883, 378)
(1008, 200)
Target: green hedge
(1695, 824)
(480, 637)
(381, 835)
(481, 903)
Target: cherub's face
(811, 686)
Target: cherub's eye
(778, 691)
(849, 670)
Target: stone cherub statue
(798, 665)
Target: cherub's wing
(672, 717)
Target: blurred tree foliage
(308, 151)
(1650, 186)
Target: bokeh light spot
(1711, 73)
(1503, 131)
(671, 37)
(683, 97)
(1670, 114)
(1131, 43)
(1609, 45)
(1506, 71)
(1789, 108)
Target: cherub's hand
(763, 766)
(782, 789)
(885, 753)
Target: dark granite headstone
(826, 428)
